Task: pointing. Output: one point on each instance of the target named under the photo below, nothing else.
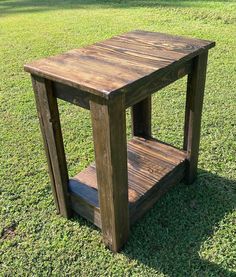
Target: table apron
(135, 93)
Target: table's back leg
(48, 114)
(109, 134)
(141, 118)
(193, 112)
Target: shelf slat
(153, 167)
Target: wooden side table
(106, 78)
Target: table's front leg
(109, 134)
(49, 120)
(193, 112)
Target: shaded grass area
(191, 230)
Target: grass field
(192, 230)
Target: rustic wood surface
(41, 123)
(109, 137)
(108, 77)
(140, 90)
(86, 209)
(53, 142)
(117, 64)
(153, 167)
(193, 113)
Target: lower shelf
(153, 167)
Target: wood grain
(86, 209)
(41, 123)
(193, 112)
(140, 90)
(107, 78)
(109, 136)
(53, 141)
(124, 59)
(145, 86)
(153, 167)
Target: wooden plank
(159, 189)
(88, 177)
(194, 103)
(75, 96)
(121, 55)
(149, 177)
(72, 95)
(109, 134)
(86, 210)
(50, 124)
(141, 118)
(160, 147)
(41, 122)
(141, 197)
(163, 159)
(88, 193)
(169, 42)
(142, 88)
(139, 92)
(120, 64)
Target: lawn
(191, 231)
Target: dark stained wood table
(106, 78)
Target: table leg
(48, 114)
(109, 134)
(193, 112)
(141, 118)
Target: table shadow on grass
(170, 236)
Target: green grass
(191, 230)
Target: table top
(110, 66)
